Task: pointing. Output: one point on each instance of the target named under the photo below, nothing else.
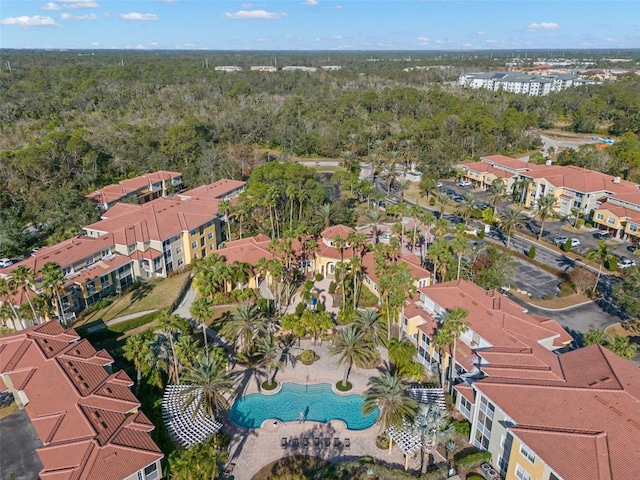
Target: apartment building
(140, 189)
(496, 322)
(87, 423)
(517, 82)
(490, 168)
(133, 243)
(620, 216)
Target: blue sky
(320, 24)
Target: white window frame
(210, 235)
(194, 245)
(179, 250)
(528, 454)
(521, 473)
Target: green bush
(566, 288)
(344, 388)
(482, 234)
(566, 246)
(463, 427)
(332, 287)
(432, 201)
(319, 277)
(532, 252)
(300, 308)
(580, 223)
(307, 357)
(473, 459)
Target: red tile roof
(216, 190)
(332, 232)
(621, 212)
(582, 180)
(511, 163)
(584, 424)
(86, 419)
(113, 193)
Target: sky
(320, 24)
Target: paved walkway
(252, 449)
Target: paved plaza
(252, 449)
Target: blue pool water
(317, 401)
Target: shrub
(307, 357)
(566, 288)
(566, 246)
(432, 201)
(532, 252)
(221, 440)
(320, 307)
(463, 427)
(300, 308)
(319, 277)
(332, 287)
(473, 459)
(482, 234)
(580, 223)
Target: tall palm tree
(442, 201)
(428, 187)
(6, 291)
(375, 218)
(209, 385)
(270, 351)
(496, 194)
(601, 255)
(172, 326)
(136, 350)
(350, 161)
(326, 215)
(201, 310)
(510, 219)
(402, 186)
(53, 284)
(352, 349)
(622, 346)
(401, 354)
(453, 325)
(460, 246)
(467, 204)
(388, 394)
(370, 322)
(546, 206)
(245, 326)
(429, 423)
(25, 280)
(225, 208)
(356, 270)
(440, 255)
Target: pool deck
(252, 449)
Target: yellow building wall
(537, 470)
(604, 221)
(628, 231)
(188, 239)
(412, 325)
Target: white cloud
(337, 37)
(77, 4)
(26, 22)
(51, 6)
(480, 33)
(254, 14)
(140, 47)
(423, 39)
(491, 41)
(440, 42)
(534, 27)
(68, 16)
(339, 7)
(141, 17)
(95, 44)
(313, 3)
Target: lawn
(8, 410)
(155, 295)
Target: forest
(72, 122)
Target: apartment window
(525, 452)
(192, 233)
(367, 280)
(212, 246)
(179, 250)
(600, 216)
(611, 220)
(151, 472)
(195, 256)
(503, 465)
(194, 244)
(180, 262)
(484, 424)
(633, 227)
(521, 473)
(375, 287)
(202, 242)
(465, 407)
(210, 235)
(131, 248)
(104, 281)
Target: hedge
(473, 459)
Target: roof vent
(616, 180)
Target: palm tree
(197, 462)
(245, 327)
(446, 336)
(136, 350)
(202, 309)
(375, 217)
(25, 280)
(326, 215)
(370, 322)
(622, 346)
(593, 336)
(225, 208)
(546, 206)
(269, 349)
(208, 384)
(442, 201)
(510, 219)
(402, 186)
(460, 246)
(440, 255)
(428, 187)
(6, 291)
(350, 161)
(496, 194)
(356, 270)
(401, 354)
(430, 424)
(601, 255)
(388, 394)
(467, 204)
(172, 326)
(53, 284)
(352, 348)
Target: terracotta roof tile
(216, 190)
(332, 232)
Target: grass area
(555, 303)
(626, 329)
(155, 295)
(319, 167)
(292, 465)
(8, 410)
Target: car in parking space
(632, 248)
(602, 235)
(5, 262)
(456, 196)
(464, 183)
(439, 184)
(560, 241)
(625, 262)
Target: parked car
(560, 240)
(632, 248)
(439, 184)
(625, 262)
(465, 183)
(575, 243)
(602, 235)
(5, 262)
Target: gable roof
(124, 188)
(332, 232)
(87, 419)
(582, 179)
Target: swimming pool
(317, 402)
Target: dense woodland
(71, 123)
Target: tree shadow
(141, 292)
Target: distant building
(87, 421)
(140, 189)
(331, 67)
(299, 68)
(227, 68)
(516, 82)
(263, 68)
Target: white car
(439, 184)
(625, 262)
(465, 183)
(5, 262)
(560, 241)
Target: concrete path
(124, 318)
(252, 449)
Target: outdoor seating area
(407, 442)
(318, 442)
(185, 427)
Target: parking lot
(534, 280)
